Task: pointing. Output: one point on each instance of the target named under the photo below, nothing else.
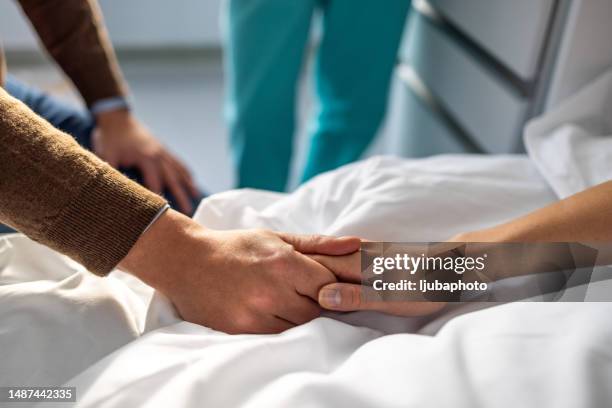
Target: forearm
(63, 196)
(564, 232)
(73, 33)
(583, 217)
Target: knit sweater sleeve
(74, 34)
(63, 196)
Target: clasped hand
(252, 281)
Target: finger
(347, 297)
(176, 188)
(186, 176)
(300, 310)
(310, 276)
(347, 268)
(151, 175)
(322, 244)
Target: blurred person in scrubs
(266, 42)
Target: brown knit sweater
(50, 188)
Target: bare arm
(584, 217)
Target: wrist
(500, 234)
(114, 118)
(164, 249)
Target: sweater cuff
(100, 226)
(109, 104)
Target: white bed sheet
(77, 318)
(520, 354)
(529, 355)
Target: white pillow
(571, 145)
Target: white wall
(133, 23)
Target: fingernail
(331, 297)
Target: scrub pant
(76, 122)
(266, 42)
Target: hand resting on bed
(239, 281)
(584, 217)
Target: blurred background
(171, 54)
(470, 73)
(172, 61)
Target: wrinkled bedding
(122, 345)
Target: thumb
(322, 244)
(348, 297)
(341, 297)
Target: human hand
(241, 281)
(122, 140)
(349, 295)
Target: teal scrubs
(266, 43)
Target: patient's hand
(247, 281)
(348, 294)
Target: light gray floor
(180, 97)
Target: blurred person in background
(266, 42)
(74, 35)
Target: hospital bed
(121, 345)
(471, 73)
